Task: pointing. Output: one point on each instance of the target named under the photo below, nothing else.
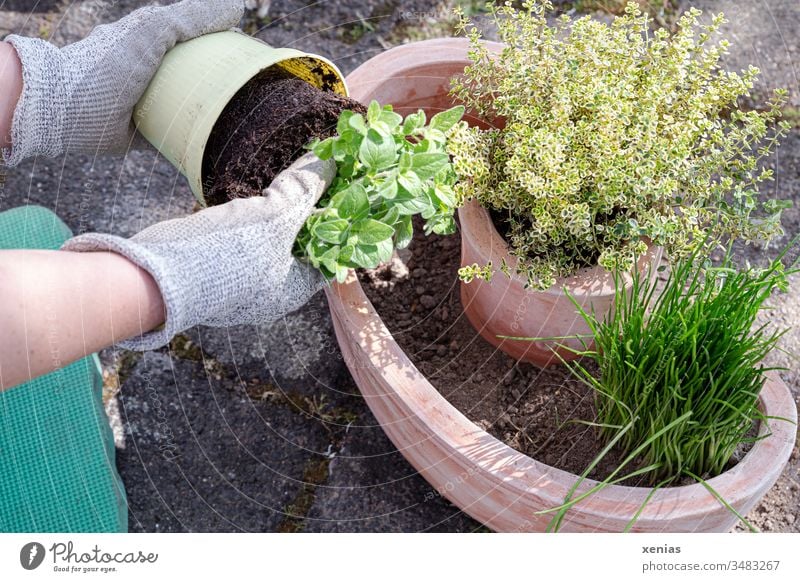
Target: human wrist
(176, 285)
(11, 83)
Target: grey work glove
(80, 98)
(230, 264)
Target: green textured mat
(57, 471)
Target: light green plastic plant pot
(198, 78)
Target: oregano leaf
(377, 151)
(444, 120)
(371, 231)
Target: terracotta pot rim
(587, 281)
(527, 472)
(439, 51)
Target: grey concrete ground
(262, 428)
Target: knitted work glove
(80, 98)
(230, 264)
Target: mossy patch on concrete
(183, 348)
(333, 418)
(315, 473)
(352, 32)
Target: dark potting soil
(500, 220)
(530, 409)
(265, 128)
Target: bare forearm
(56, 307)
(10, 90)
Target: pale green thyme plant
(613, 134)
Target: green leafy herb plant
(680, 370)
(613, 134)
(389, 169)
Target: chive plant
(680, 370)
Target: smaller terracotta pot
(504, 307)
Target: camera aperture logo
(66, 558)
(31, 555)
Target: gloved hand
(80, 98)
(230, 264)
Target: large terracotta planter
(487, 479)
(503, 307)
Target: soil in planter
(531, 410)
(264, 128)
(501, 224)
